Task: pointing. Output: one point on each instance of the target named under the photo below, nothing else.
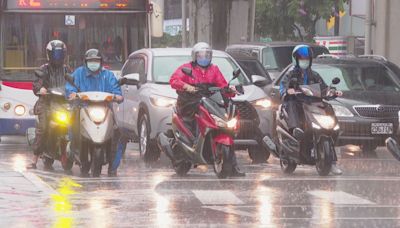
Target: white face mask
(304, 64)
(93, 66)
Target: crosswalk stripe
(217, 197)
(339, 197)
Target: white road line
(230, 210)
(39, 183)
(217, 197)
(339, 197)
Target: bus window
(25, 37)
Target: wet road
(365, 196)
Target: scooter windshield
(312, 90)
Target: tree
(282, 19)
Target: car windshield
(165, 66)
(359, 77)
(283, 55)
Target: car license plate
(382, 128)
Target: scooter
(57, 129)
(96, 128)
(315, 144)
(217, 122)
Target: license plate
(382, 128)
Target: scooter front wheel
(223, 161)
(97, 160)
(324, 157)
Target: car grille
(248, 120)
(378, 111)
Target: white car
(149, 99)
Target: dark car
(253, 67)
(368, 110)
(274, 56)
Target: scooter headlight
(326, 122)
(61, 117)
(97, 114)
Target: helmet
(202, 54)
(304, 53)
(56, 51)
(93, 54)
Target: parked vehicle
(217, 121)
(316, 144)
(368, 110)
(147, 109)
(274, 56)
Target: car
(274, 56)
(368, 110)
(149, 100)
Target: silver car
(149, 99)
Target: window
(268, 59)
(254, 67)
(25, 37)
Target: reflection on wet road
(365, 196)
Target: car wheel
(368, 147)
(148, 148)
(258, 154)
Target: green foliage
(167, 41)
(282, 19)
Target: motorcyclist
(54, 76)
(203, 72)
(93, 77)
(302, 61)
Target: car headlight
(263, 103)
(326, 122)
(61, 117)
(219, 121)
(342, 111)
(19, 110)
(97, 114)
(162, 101)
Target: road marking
(229, 210)
(339, 197)
(217, 197)
(39, 183)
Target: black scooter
(315, 144)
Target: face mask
(93, 66)
(304, 64)
(203, 62)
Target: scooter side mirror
(336, 81)
(39, 73)
(187, 71)
(236, 73)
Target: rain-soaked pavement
(365, 196)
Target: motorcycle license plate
(382, 128)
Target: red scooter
(217, 123)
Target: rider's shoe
(335, 170)
(237, 173)
(31, 166)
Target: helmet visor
(303, 53)
(58, 54)
(204, 55)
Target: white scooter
(96, 128)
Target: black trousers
(41, 126)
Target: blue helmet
(302, 52)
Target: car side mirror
(336, 81)
(130, 79)
(259, 80)
(187, 71)
(239, 89)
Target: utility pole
(184, 25)
(252, 19)
(337, 18)
(368, 25)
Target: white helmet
(202, 54)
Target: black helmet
(56, 52)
